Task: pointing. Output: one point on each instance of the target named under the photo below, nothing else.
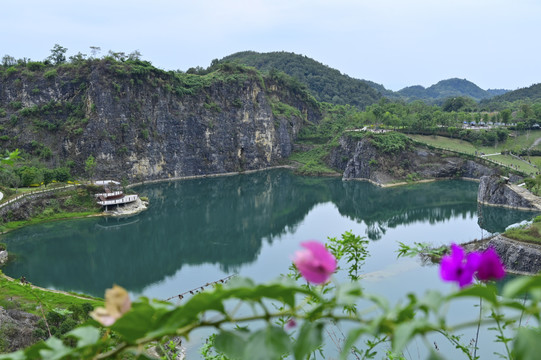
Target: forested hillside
(528, 94)
(325, 83)
(444, 89)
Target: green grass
(508, 160)
(14, 295)
(527, 234)
(313, 161)
(12, 225)
(522, 141)
(468, 148)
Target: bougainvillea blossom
(459, 267)
(315, 263)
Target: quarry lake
(202, 230)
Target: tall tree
(58, 54)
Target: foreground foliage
(283, 317)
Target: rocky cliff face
(17, 329)
(143, 123)
(497, 191)
(361, 159)
(517, 257)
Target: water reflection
(223, 221)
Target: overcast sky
(397, 43)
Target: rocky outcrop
(129, 209)
(141, 123)
(518, 257)
(16, 329)
(3, 257)
(498, 191)
(361, 159)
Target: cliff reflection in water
(221, 221)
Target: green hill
(445, 89)
(531, 93)
(325, 83)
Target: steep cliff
(497, 191)
(141, 123)
(392, 157)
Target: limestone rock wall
(360, 159)
(497, 191)
(144, 127)
(522, 258)
(17, 329)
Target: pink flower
(458, 267)
(315, 263)
(291, 324)
(462, 268)
(490, 266)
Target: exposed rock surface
(518, 257)
(142, 124)
(3, 257)
(497, 191)
(17, 329)
(129, 209)
(360, 159)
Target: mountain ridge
(330, 85)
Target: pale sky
(397, 43)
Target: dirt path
(536, 142)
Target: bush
(49, 75)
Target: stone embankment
(518, 257)
(498, 191)
(129, 209)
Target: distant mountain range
(330, 85)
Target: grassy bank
(465, 147)
(530, 233)
(25, 297)
(13, 225)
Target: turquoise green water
(198, 231)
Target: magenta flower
(315, 263)
(490, 266)
(291, 324)
(458, 267)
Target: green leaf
(19, 355)
(521, 285)
(269, 343)
(231, 343)
(348, 293)
(487, 292)
(136, 322)
(432, 300)
(404, 332)
(87, 335)
(310, 338)
(527, 345)
(55, 350)
(351, 339)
